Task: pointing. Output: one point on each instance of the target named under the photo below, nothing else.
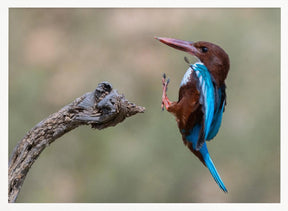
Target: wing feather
(207, 100)
(220, 105)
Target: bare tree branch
(102, 108)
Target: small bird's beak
(179, 44)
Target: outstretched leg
(165, 101)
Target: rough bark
(102, 108)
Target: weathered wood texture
(102, 108)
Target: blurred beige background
(56, 55)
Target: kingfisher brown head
(211, 55)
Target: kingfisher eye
(204, 49)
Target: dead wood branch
(101, 108)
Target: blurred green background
(56, 55)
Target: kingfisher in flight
(202, 98)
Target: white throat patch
(188, 73)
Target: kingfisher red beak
(179, 44)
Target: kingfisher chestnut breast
(202, 98)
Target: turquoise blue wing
(205, 87)
(217, 119)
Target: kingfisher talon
(186, 60)
(165, 101)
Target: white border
(145, 4)
(6, 4)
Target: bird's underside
(186, 116)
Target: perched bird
(202, 98)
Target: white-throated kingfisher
(202, 98)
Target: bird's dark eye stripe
(204, 49)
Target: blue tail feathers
(210, 165)
(193, 138)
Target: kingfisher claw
(165, 101)
(187, 60)
(165, 82)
